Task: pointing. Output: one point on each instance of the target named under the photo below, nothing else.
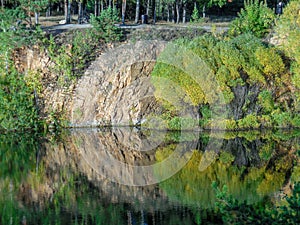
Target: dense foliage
(19, 92)
(258, 88)
(105, 25)
(233, 212)
(17, 98)
(288, 32)
(255, 18)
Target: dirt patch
(161, 32)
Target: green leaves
(255, 18)
(17, 103)
(105, 25)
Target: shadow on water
(74, 178)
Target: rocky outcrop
(116, 89)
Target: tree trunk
(154, 11)
(184, 13)
(80, 12)
(203, 11)
(48, 12)
(173, 14)
(148, 7)
(36, 17)
(97, 8)
(68, 11)
(168, 13)
(2, 3)
(109, 4)
(137, 11)
(158, 9)
(177, 12)
(123, 11)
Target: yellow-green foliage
(192, 93)
(33, 80)
(288, 30)
(266, 101)
(248, 122)
(244, 61)
(272, 64)
(193, 187)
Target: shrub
(104, 25)
(288, 31)
(296, 121)
(72, 57)
(248, 122)
(195, 16)
(17, 105)
(255, 18)
(265, 99)
(282, 119)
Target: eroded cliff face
(115, 90)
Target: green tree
(33, 6)
(255, 18)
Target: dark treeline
(176, 11)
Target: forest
(176, 11)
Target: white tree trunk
(80, 12)
(177, 12)
(184, 13)
(137, 11)
(168, 13)
(173, 13)
(36, 18)
(148, 7)
(97, 8)
(123, 11)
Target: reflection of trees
(251, 170)
(62, 188)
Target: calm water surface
(128, 176)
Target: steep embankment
(116, 89)
(253, 79)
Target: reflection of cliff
(103, 156)
(66, 175)
(251, 169)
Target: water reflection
(64, 179)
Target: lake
(132, 176)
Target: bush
(282, 119)
(17, 96)
(255, 18)
(248, 122)
(17, 105)
(265, 99)
(195, 16)
(104, 25)
(288, 31)
(72, 57)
